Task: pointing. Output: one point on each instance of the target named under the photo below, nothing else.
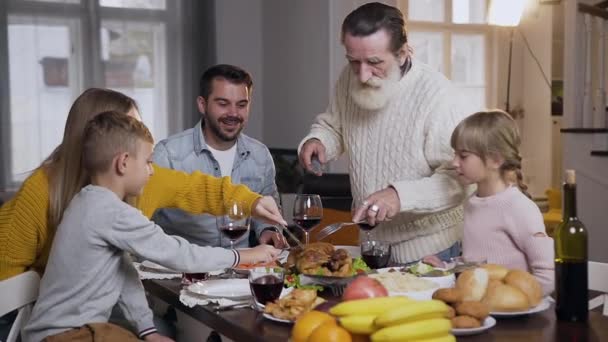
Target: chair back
(598, 281)
(19, 293)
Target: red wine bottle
(572, 299)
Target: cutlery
(292, 236)
(332, 228)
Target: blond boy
(89, 270)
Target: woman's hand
(266, 209)
(272, 237)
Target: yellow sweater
(25, 237)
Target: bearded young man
(216, 146)
(393, 117)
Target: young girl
(501, 223)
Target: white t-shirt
(224, 158)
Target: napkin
(149, 274)
(190, 299)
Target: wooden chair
(598, 281)
(19, 293)
(554, 215)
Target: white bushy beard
(376, 92)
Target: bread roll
(478, 310)
(493, 283)
(472, 284)
(506, 298)
(495, 271)
(448, 295)
(527, 284)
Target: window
(452, 37)
(55, 51)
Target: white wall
(239, 42)
(529, 91)
(537, 124)
(296, 68)
(592, 182)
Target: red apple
(364, 287)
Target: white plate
(354, 251)
(444, 282)
(157, 267)
(272, 318)
(418, 295)
(487, 324)
(544, 305)
(222, 288)
(284, 293)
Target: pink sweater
(500, 229)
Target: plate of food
(399, 283)
(291, 306)
(488, 323)
(441, 276)
(544, 305)
(323, 264)
(234, 289)
(245, 268)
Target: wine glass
(234, 224)
(363, 225)
(307, 212)
(266, 284)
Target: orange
(330, 332)
(307, 323)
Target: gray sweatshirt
(88, 271)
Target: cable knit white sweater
(405, 145)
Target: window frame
(448, 29)
(87, 52)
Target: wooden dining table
(245, 324)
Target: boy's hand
(261, 253)
(266, 209)
(156, 337)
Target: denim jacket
(187, 151)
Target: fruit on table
(307, 323)
(359, 324)
(364, 287)
(414, 311)
(329, 332)
(417, 330)
(368, 306)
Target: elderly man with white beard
(393, 116)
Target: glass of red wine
(234, 224)
(363, 225)
(376, 254)
(266, 284)
(307, 212)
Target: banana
(443, 338)
(360, 324)
(429, 328)
(412, 312)
(368, 306)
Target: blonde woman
(29, 220)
